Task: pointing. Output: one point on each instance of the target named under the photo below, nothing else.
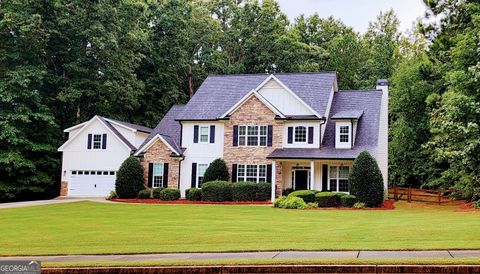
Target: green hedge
(144, 194)
(169, 194)
(193, 194)
(307, 195)
(264, 191)
(217, 191)
(156, 192)
(326, 199)
(244, 191)
(348, 200)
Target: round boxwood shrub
(129, 179)
(169, 194)
(307, 195)
(293, 202)
(278, 202)
(244, 191)
(217, 191)
(326, 199)
(144, 194)
(365, 180)
(264, 191)
(348, 200)
(216, 171)
(193, 194)
(156, 192)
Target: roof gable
(246, 98)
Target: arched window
(300, 134)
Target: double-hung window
(200, 172)
(339, 178)
(300, 134)
(344, 134)
(204, 132)
(97, 141)
(252, 173)
(252, 135)
(157, 176)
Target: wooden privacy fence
(419, 195)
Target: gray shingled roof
(348, 114)
(130, 125)
(367, 128)
(169, 129)
(116, 132)
(218, 93)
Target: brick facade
(253, 112)
(160, 153)
(63, 188)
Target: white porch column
(272, 198)
(312, 174)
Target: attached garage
(91, 183)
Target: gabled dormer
(346, 128)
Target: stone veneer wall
(157, 153)
(63, 188)
(253, 112)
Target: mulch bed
(387, 205)
(187, 202)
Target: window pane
(333, 185)
(333, 172)
(343, 185)
(344, 134)
(252, 141)
(252, 130)
(343, 138)
(241, 140)
(204, 134)
(263, 130)
(343, 172)
(241, 130)
(201, 169)
(300, 134)
(97, 141)
(344, 129)
(252, 171)
(263, 141)
(262, 171)
(240, 170)
(157, 169)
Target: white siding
(327, 112)
(382, 147)
(316, 132)
(200, 153)
(282, 99)
(76, 156)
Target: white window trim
(338, 125)
(295, 135)
(200, 134)
(258, 136)
(197, 180)
(93, 141)
(338, 177)
(153, 175)
(258, 173)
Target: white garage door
(91, 183)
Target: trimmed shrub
(278, 202)
(287, 191)
(312, 205)
(156, 192)
(326, 199)
(359, 205)
(244, 191)
(144, 194)
(193, 194)
(264, 191)
(216, 171)
(348, 200)
(217, 191)
(112, 195)
(365, 180)
(129, 179)
(293, 202)
(307, 195)
(169, 194)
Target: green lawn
(100, 228)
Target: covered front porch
(313, 174)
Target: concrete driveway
(59, 200)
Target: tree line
(61, 62)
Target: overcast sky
(356, 13)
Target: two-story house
(296, 130)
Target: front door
(301, 179)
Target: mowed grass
(103, 228)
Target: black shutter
(212, 134)
(269, 174)
(270, 135)
(235, 136)
(165, 175)
(194, 175)
(324, 177)
(89, 143)
(195, 134)
(150, 174)
(104, 141)
(310, 135)
(234, 173)
(290, 135)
